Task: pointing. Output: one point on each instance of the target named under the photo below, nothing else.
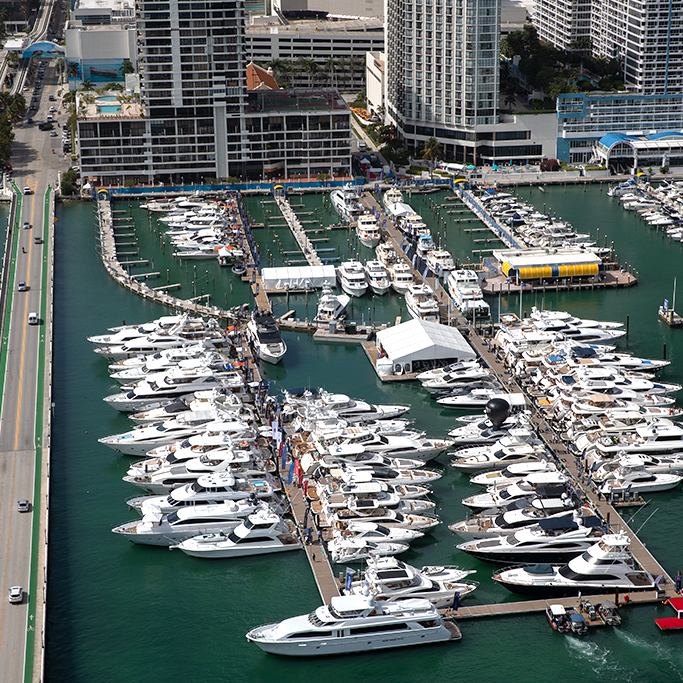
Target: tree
(73, 70)
(330, 67)
(68, 185)
(310, 67)
(431, 151)
(510, 99)
(87, 85)
(6, 137)
(126, 68)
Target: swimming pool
(107, 98)
(108, 109)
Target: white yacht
(330, 305)
(402, 277)
(465, 290)
(367, 230)
(551, 484)
(355, 623)
(353, 549)
(512, 473)
(456, 378)
(156, 528)
(342, 406)
(261, 533)
(474, 398)
(386, 255)
(143, 438)
(605, 567)
(632, 476)
(497, 457)
(263, 333)
(555, 539)
(352, 278)
(209, 489)
(392, 196)
(346, 202)
(377, 277)
(354, 440)
(440, 261)
(425, 246)
(413, 225)
(422, 303)
(389, 518)
(390, 580)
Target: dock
(670, 317)
(297, 230)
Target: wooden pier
(670, 317)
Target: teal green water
(119, 612)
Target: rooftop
(313, 26)
(107, 105)
(297, 100)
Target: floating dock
(670, 317)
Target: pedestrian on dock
(678, 581)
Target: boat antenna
(645, 522)
(647, 502)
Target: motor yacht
(346, 202)
(384, 516)
(359, 456)
(512, 473)
(631, 476)
(156, 528)
(482, 431)
(393, 476)
(402, 277)
(349, 484)
(375, 532)
(342, 406)
(440, 261)
(343, 550)
(390, 580)
(422, 303)
(555, 539)
(330, 305)
(355, 623)
(497, 457)
(377, 277)
(474, 398)
(352, 278)
(424, 246)
(208, 489)
(652, 438)
(552, 483)
(164, 361)
(392, 196)
(606, 567)
(521, 514)
(386, 444)
(263, 334)
(144, 438)
(261, 533)
(386, 255)
(367, 230)
(465, 290)
(437, 372)
(413, 226)
(456, 378)
(173, 385)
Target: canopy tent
(419, 340)
(535, 263)
(299, 277)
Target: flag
(317, 474)
(306, 513)
(290, 473)
(276, 428)
(349, 578)
(283, 454)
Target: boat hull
(225, 553)
(564, 591)
(349, 644)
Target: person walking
(678, 581)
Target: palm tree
(310, 67)
(126, 68)
(430, 152)
(510, 99)
(87, 85)
(73, 70)
(330, 67)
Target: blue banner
(290, 473)
(349, 578)
(284, 455)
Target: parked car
(53, 133)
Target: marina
(471, 632)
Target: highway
(24, 413)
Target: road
(37, 158)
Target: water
(119, 612)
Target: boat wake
(601, 659)
(659, 651)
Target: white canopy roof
(422, 340)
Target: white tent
(419, 340)
(304, 277)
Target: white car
(15, 595)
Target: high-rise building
(195, 118)
(442, 65)
(645, 36)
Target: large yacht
(440, 261)
(156, 528)
(263, 333)
(391, 580)
(352, 278)
(209, 489)
(330, 305)
(346, 203)
(355, 623)
(261, 533)
(392, 196)
(464, 288)
(422, 303)
(351, 549)
(377, 277)
(367, 230)
(402, 277)
(556, 539)
(386, 255)
(605, 567)
(143, 438)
